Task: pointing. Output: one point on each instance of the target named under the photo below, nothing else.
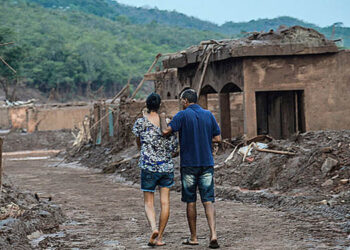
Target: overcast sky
(319, 12)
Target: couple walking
(197, 129)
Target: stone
(327, 183)
(328, 165)
(326, 150)
(344, 181)
(323, 202)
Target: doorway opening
(280, 114)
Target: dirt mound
(321, 163)
(22, 216)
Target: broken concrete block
(328, 165)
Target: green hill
(69, 50)
(114, 10)
(74, 45)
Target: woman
(157, 167)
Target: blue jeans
(201, 177)
(150, 180)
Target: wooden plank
(124, 91)
(287, 114)
(110, 123)
(143, 79)
(275, 151)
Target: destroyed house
(280, 82)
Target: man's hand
(166, 130)
(217, 138)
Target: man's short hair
(190, 95)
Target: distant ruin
(287, 81)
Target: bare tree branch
(8, 65)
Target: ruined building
(281, 82)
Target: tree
(10, 55)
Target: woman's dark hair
(153, 102)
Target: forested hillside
(70, 50)
(75, 45)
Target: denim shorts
(201, 177)
(150, 180)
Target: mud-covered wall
(4, 119)
(218, 74)
(236, 111)
(325, 80)
(41, 119)
(18, 117)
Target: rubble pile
(321, 163)
(23, 215)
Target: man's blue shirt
(196, 127)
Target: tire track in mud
(106, 214)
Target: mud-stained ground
(21, 141)
(106, 213)
(269, 202)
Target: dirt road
(106, 214)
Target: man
(197, 129)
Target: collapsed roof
(295, 40)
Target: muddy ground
(105, 211)
(21, 141)
(22, 215)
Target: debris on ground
(304, 162)
(294, 174)
(21, 215)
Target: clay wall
(41, 118)
(324, 79)
(18, 117)
(236, 111)
(4, 119)
(218, 74)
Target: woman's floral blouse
(156, 150)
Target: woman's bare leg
(164, 213)
(151, 215)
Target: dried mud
(22, 215)
(301, 187)
(296, 184)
